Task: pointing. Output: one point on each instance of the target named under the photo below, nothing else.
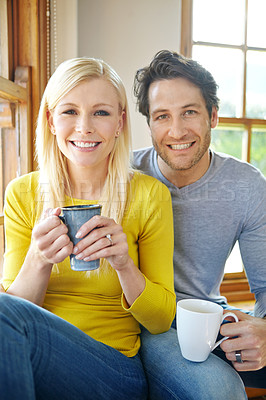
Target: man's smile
(182, 146)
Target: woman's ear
(50, 121)
(121, 121)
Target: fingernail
(87, 258)
(75, 250)
(78, 235)
(79, 256)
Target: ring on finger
(108, 236)
(238, 356)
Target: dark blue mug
(74, 217)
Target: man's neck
(182, 178)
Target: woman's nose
(85, 124)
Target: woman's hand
(115, 250)
(50, 240)
(248, 339)
(49, 245)
(97, 245)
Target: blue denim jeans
(172, 377)
(44, 357)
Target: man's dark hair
(169, 65)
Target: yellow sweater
(93, 301)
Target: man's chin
(177, 167)
(179, 163)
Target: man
(217, 200)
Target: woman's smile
(85, 146)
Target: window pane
(9, 151)
(234, 261)
(4, 39)
(219, 21)
(256, 23)
(256, 84)
(226, 66)
(258, 149)
(228, 140)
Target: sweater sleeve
(155, 307)
(252, 242)
(20, 216)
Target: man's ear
(214, 117)
(50, 121)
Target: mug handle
(229, 314)
(62, 218)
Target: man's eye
(162, 116)
(190, 112)
(102, 113)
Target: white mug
(198, 323)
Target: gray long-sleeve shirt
(227, 204)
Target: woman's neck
(86, 184)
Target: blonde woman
(75, 335)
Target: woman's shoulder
(149, 185)
(140, 177)
(24, 183)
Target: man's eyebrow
(159, 110)
(163, 110)
(191, 105)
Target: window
(14, 149)
(229, 39)
(22, 78)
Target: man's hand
(250, 341)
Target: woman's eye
(101, 113)
(69, 112)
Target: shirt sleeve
(155, 307)
(252, 242)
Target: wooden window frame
(23, 73)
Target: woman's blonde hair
(54, 179)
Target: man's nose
(177, 127)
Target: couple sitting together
(170, 218)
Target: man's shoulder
(235, 168)
(143, 159)
(145, 153)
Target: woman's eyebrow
(94, 105)
(67, 104)
(103, 105)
